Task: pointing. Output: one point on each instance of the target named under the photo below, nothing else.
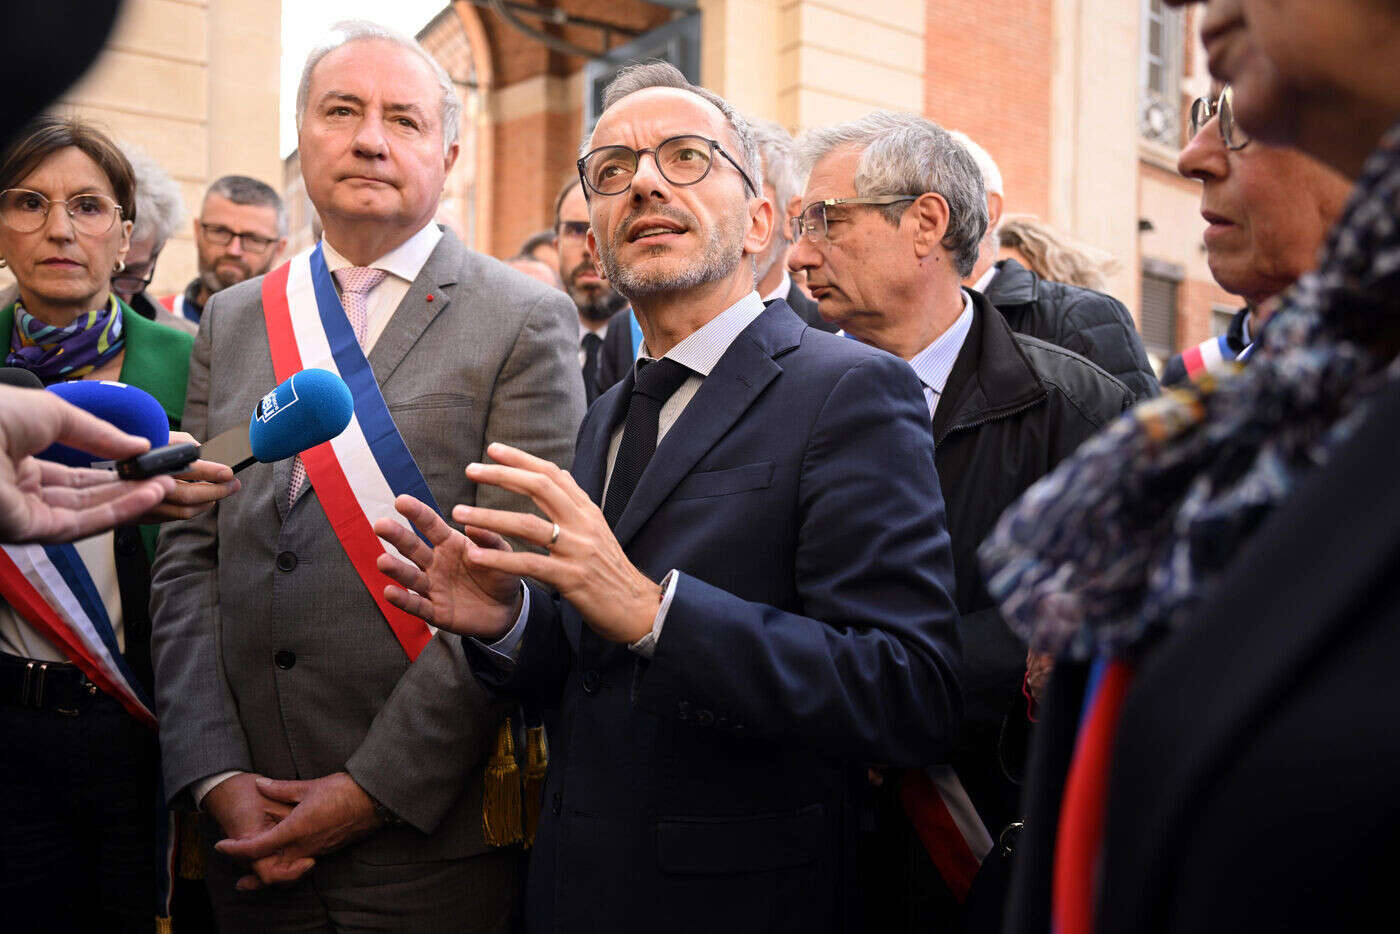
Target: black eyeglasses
(131, 284)
(681, 160)
(253, 243)
(572, 229)
(811, 223)
(1203, 109)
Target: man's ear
(760, 226)
(931, 216)
(995, 207)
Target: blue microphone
(133, 410)
(310, 407)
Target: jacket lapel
(1258, 630)
(744, 371)
(591, 453)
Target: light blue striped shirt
(933, 364)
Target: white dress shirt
(983, 283)
(933, 364)
(699, 353)
(583, 331)
(403, 264)
(782, 289)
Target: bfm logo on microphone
(275, 401)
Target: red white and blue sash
(51, 589)
(1210, 356)
(947, 825)
(357, 474)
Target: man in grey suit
(273, 660)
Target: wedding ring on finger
(553, 538)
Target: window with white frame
(1159, 96)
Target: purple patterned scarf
(55, 354)
(1114, 548)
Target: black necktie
(591, 343)
(656, 382)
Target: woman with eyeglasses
(1218, 574)
(81, 811)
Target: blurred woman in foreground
(1218, 574)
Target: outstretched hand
(441, 584)
(41, 501)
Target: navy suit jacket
(812, 631)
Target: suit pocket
(726, 481)
(432, 400)
(752, 843)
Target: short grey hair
(359, 30)
(905, 154)
(240, 189)
(778, 150)
(991, 177)
(647, 75)
(159, 205)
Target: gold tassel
(189, 846)
(500, 797)
(163, 926)
(532, 786)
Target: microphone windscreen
(133, 410)
(19, 376)
(310, 407)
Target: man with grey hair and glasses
(336, 744)
(741, 600)
(1091, 324)
(890, 225)
(240, 232)
(782, 187)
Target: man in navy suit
(755, 610)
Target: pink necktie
(356, 282)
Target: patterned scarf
(55, 354)
(1113, 549)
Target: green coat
(157, 360)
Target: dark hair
(534, 242)
(240, 189)
(45, 135)
(570, 184)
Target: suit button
(705, 718)
(284, 659)
(556, 804)
(591, 681)
(286, 561)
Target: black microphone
(19, 376)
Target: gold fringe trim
(532, 783)
(500, 797)
(189, 848)
(163, 926)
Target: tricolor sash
(50, 587)
(1212, 356)
(947, 825)
(358, 474)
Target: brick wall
(987, 72)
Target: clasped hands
(279, 827)
(469, 583)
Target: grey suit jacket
(493, 357)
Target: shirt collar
(584, 331)
(983, 283)
(702, 349)
(783, 288)
(404, 261)
(933, 364)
